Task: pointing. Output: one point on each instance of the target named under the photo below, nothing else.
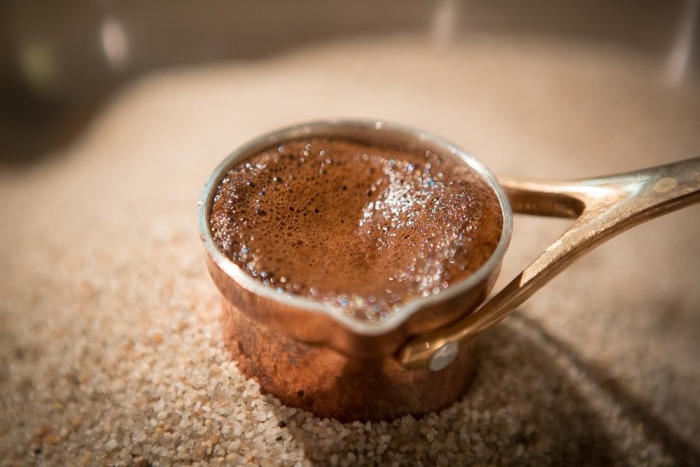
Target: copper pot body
(319, 360)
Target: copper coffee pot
(421, 358)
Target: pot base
(331, 384)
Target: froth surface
(362, 227)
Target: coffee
(362, 227)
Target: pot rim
(340, 127)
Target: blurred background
(60, 60)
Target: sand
(109, 335)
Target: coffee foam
(364, 228)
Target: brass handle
(603, 207)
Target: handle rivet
(665, 184)
(444, 356)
